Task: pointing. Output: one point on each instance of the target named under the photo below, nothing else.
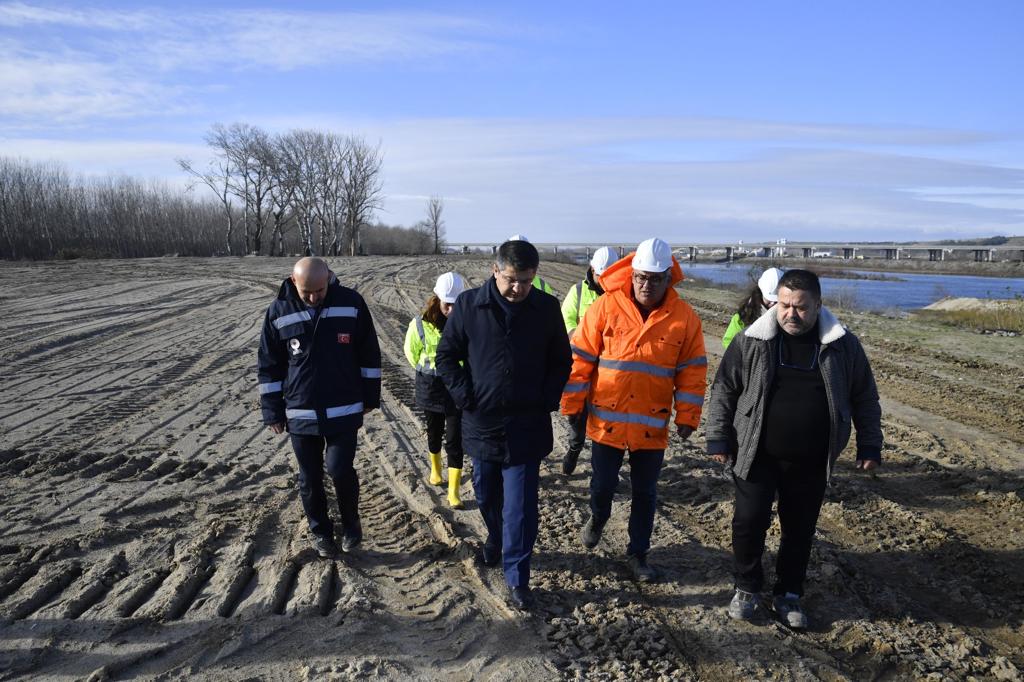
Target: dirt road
(149, 527)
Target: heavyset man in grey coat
(781, 408)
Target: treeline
(302, 192)
(47, 213)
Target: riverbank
(999, 269)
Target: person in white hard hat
(444, 420)
(638, 356)
(576, 303)
(761, 297)
(538, 281)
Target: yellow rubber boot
(435, 469)
(454, 481)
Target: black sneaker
(325, 547)
(520, 598)
(591, 533)
(642, 571)
(572, 455)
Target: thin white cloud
(20, 15)
(503, 176)
(63, 65)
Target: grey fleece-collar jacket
(739, 395)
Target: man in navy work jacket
(511, 340)
(319, 370)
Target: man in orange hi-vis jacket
(638, 353)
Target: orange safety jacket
(631, 371)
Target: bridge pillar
(982, 255)
(589, 254)
(808, 253)
(728, 254)
(892, 254)
(849, 253)
(693, 253)
(494, 250)
(936, 254)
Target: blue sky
(586, 121)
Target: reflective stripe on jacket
(319, 369)
(577, 301)
(539, 283)
(631, 371)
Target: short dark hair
(802, 280)
(519, 254)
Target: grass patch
(1005, 318)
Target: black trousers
(448, 427)
(341, 453)
(800, 486)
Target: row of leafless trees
(304, 191)
(47, 213)
(323, 185)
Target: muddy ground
(150, 527)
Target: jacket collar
(619, 277)
(288, 291)
(766, 327)
(490, 295)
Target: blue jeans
(507, 496)
(341, 453)
(644, 469)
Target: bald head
(310, 275)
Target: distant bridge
(933, 252)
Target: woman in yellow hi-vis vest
(444, 420)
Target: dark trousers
(448, 427)
(644, 469)
(341, 453)
(800, 486)
(579, 431)
(507, 497)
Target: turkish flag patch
(344, 338)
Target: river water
(913, 290)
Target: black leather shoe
(572, 455)
(591, 533)
(520, 598)
(642, 571)
(488, 556)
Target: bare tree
(245, 149)
(298, 153)
(363, 186)
(218, 178)
(434, 222)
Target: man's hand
(720, 457)
(684, 431)
(277, 428)
(867, 464)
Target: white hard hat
(769, 284)
(517, 238)
(603, 257)
(653, 255)
(449, 286)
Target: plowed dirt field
(150, 527)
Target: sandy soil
(149, 526)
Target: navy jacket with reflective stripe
(506, 379)
(318, 368)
